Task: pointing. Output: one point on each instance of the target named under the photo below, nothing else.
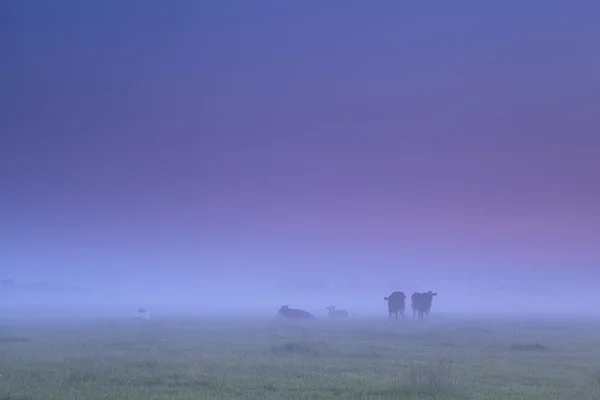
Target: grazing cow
(142, 313)
(294, 313)
(421, 303)
(396, 304)
(333, 313)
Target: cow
(333, 313)
(396, 304)
(294, 313)
(142, 313)
(421, 303)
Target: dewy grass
(441, 358)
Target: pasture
(444, 357)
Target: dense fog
(363, 296)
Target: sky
(185, 142)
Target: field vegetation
(444, 357)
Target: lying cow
(294, 313)
(333, 313)
(142, 313)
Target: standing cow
(421, 303)
(293, 313)
(396, 304)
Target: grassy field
(443, 358)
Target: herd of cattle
(420, 304)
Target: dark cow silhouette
(294, 313)
(333, 313)
(396, 304)
(421, 303)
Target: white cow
(333, 313)
(142, 313)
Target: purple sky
(348, 136)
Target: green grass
(444, 358)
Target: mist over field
(253, 296)
(172, 174)
(214, 344)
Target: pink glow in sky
(286, 134)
